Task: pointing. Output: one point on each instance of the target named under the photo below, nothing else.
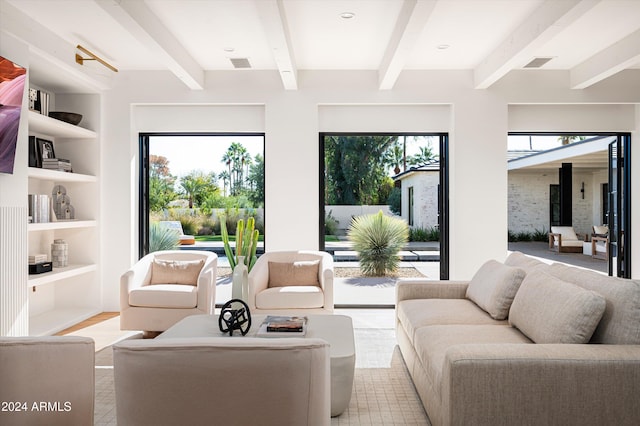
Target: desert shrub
(540, 235)
(378, 238)
(424, 234)
(395, 200)
(207, 225)
(330, 224)
(162, 238)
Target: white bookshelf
(59, 274)
(67, 295)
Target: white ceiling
(591, 39)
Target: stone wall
(528, 201)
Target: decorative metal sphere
(235, 315)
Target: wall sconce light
(80, 60)
(582, 190)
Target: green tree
(225, 180)
(237, 159)
(256, 181)
(197, 186)
(567, 139)
(355, 169)
(161, 183)
(394, 157)
(425, 156)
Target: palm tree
(191, 185)
(567, 139)
(395, 157)
(425, 156)
(225, 180)
(235, 158)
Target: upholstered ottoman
(337, 330)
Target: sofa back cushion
(493, 287)
(548, 310)
(522, 261)
(620, 323)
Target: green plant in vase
(246, 242)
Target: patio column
(566, 194)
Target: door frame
(443, 189)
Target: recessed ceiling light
(229, 49)
(347, 15)
(443, 46)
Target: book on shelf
(37, 258)
(60, 164)
(39, 101)
(283, 326)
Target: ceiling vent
(239, 63)
(538, 62)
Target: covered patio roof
(588, 155)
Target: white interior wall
(292, 121)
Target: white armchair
(165, 286)
(291, 283)
(58, 371)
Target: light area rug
(106, 333)
(383, 393)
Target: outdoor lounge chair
(600, 242)
(185, 240)
(563, 239)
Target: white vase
(60, 254)
(240, 281)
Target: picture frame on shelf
(45, 150)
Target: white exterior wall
(529, 200)
(345, 214)
(425, 199)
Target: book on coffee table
(283, 326)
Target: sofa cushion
(433, 342)
(292, 297)
(620, 324)
(494, 286)
(175, 271)
(300, 273)
(164, 296)
(416, 313)
(548, 310)
(522, 261)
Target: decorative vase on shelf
(60, 253)
(240, 281)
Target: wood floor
(88, 322)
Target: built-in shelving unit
(67, 295)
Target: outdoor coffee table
(337, 330)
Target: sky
(188, 153)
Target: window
(196, 178)
(410, 198)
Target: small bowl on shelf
(67, 117)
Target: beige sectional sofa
(523, 343)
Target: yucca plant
(246, 242)
(162, 238)
(378, 238)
